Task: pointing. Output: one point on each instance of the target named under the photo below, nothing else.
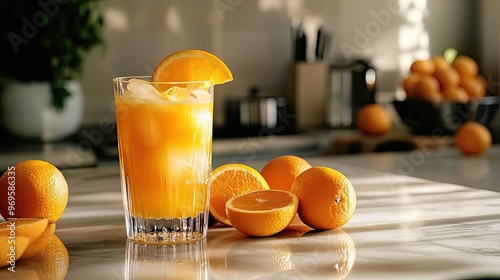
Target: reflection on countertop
(403, 228)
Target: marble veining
(403, 228)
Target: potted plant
(42, 48)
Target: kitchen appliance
(258, 115)
(352, 84)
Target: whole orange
(374, 119)
(409, 84)
(425, 67)
(425, 86)
(473, 138)
(33, 189)
(431, 96)
(466, 66)
(448, 78)
(474, 87)
(326, 198)
(456, 94)
(281, 171)
(440, 62)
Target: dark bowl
(424, 117)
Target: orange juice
(165, 150)
(164, 125)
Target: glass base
(167, 231)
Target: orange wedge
(191, 66)
(230, 180)
(11, 249)
(38, 245)
(31, 228)
(262, 213)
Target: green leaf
(450, 55)
(56, 51)
(59, 94)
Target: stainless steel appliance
(351, 85)
(258, 115)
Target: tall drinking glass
(165, 151)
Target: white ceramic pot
(27, 111)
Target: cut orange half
(262, 213)
(12, 252)
(31, 228)
(40, 243)
(191, 66)
(230, 180)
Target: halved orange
(10, 251)
(230, 180)
(38, 245)
(262, 213)
(191, 66)
(31, 228)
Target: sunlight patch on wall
(270, 5)
(173, 21)
(294, 7)
(116, 19)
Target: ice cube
(178, 165)
(202, 95)
(134, 80)
(179, 94)
(139, 89)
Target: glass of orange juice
(165, 153)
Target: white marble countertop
(404, 227)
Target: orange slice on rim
(191, 66)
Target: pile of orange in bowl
(437, 79)
(443, 93)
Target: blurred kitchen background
(260, 41)
(254, 38)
